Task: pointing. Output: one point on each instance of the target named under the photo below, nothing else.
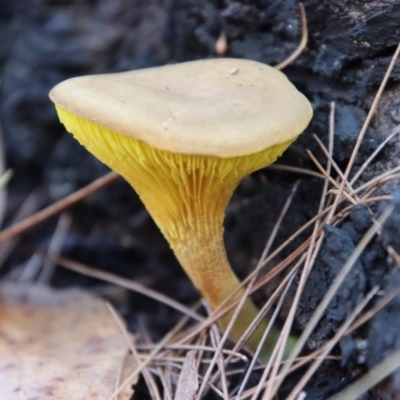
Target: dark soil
(43, 42)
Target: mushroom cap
(220, 107)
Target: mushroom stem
(186, 195)
(195, 234)
(203, 257)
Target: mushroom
(184, 136)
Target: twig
(259, 348)
(146, 373)
(331, 293)
(371, 378)
(266, 307)
(309, 262)
(165, 378)
(328, 177)
(55, 247)
(119, 281)
(215, 340)
(373, 311)
(3, 174)
(371, 157)
(264, 255)
(220, 345)
(28, 207)
(56, 208)
(364, 129)
(378, 180)
(150, 357)
(327, 349)
(301, 361)
(297, 170)
(196, 347)
(302, 44)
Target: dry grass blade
(373, 311)
(364, 128)
(394, 254)
(371, 157)
(39, 270)
(55, 247)
(224, 307)
(166, 377)
(266, 306)
(125, 283)
(196, 347)
(328, 348)
(302, 44)
(332, 110)
(201, 342)
(150, 357)
(147, 375)
(290, 318)
(331, 293)
(219, 348)
(310, 257)
(372, 110)
(29, 270)
(56, 208)
(278, 223)
(253, 362)
(221, 310)
(264, 255)
(4, 179)
(329, 178)
(371, 378)
(297, 170)
(331, 162)
(127, 365)
(380, 179)
(315, 355)
(239, 306)
(127, 336)
(5, 176)
(223, 382)
(28, 207)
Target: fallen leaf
(187, 382)
(58, 345)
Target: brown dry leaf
(58, 345)
(188, 382)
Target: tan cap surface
(221, 107)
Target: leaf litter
(59, 345)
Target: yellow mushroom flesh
(184, 136)
(186, 195)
